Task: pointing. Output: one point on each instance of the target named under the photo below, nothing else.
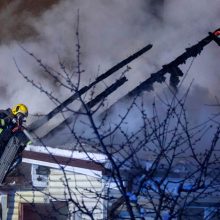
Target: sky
(110, 30)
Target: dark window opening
(40, 211)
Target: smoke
(110, 30)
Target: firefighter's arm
(5, 118)
(4, 121)
(18, 126)
(9, 120)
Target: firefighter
(11, 122)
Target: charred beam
(122, 64)
(106, 92)
(172, 67)
(35, 125)
(100, 97)
(175, 73)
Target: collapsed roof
(54, 128)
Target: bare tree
(157, 164)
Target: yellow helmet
(20, 108)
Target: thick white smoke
(110, 30)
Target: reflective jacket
(6, 125)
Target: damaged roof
(56, 128)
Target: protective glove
(17, 128)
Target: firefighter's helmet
(20, 108)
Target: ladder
(15, 145)
(8, 156)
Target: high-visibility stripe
(2, 121)
(1, 130)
